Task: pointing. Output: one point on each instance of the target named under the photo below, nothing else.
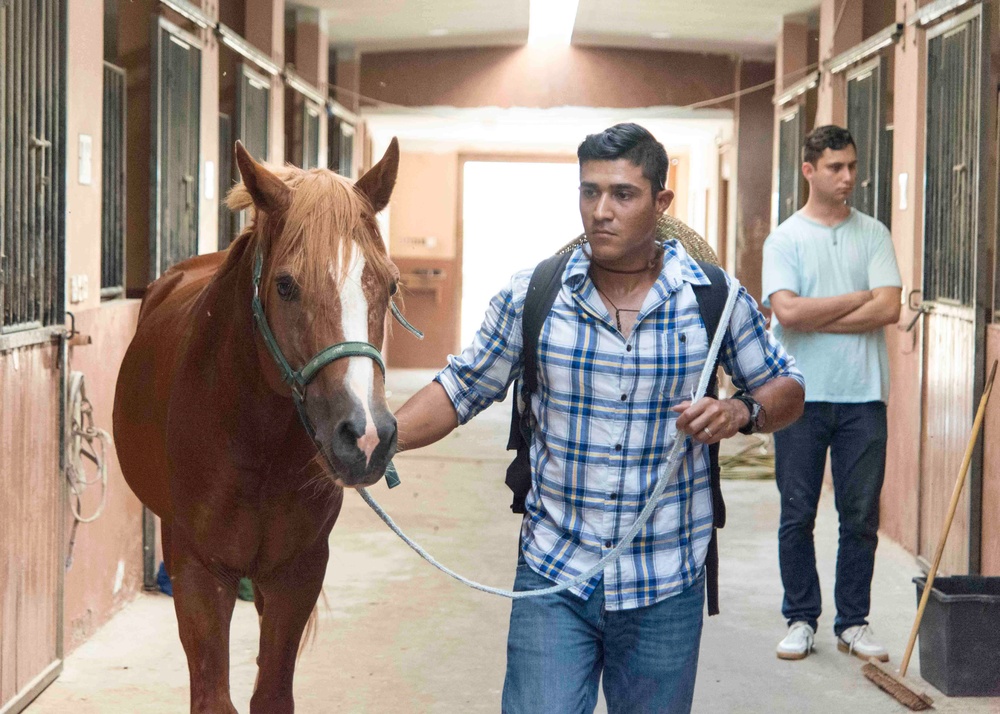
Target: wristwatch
(757, 414)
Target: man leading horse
(618, 356)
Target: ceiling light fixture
(550, 22)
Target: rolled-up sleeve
(483, 372)
(750, 353)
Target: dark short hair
(825, 137)
(632, 142)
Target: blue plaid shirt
(603, 425)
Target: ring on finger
(706, 430)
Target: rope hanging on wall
(85, 441)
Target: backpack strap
(546, 281)
(711, 304)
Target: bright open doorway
(485, 192)
(514, 214)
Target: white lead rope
(668, 475)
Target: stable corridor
(397, 636)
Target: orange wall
(991, 468)
(415, 213)
(840, 28)
(530, 77)
(83, 202)
(754, 136)
(899, 497)
(113, 542)
(208, 211)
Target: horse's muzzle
(362, 449)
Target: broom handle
(980, 413)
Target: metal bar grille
(789, 160)
(226, 180)
(341, 147)
(310, 135)
(31, 158)
(175, 169)
(863, 121)
(951, 206)
(113, 184)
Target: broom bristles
(896, 687)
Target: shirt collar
(678, 268)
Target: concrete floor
(397, 636)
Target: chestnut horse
(242, 457)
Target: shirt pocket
(684, 354)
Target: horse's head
(325, 281)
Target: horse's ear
(378, 182)
(269, 193)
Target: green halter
(299, 380)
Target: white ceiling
(717, 26)
(538, 131)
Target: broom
(883, 677)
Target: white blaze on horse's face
(360, 370)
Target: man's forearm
(428, 416)
(874, 315)
(803, 314)
(783, 400)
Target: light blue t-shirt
(813, 260)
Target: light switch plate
(86, 159)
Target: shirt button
(628, 348)
(683, 338)
(612, 496)
(607, 544)
(624, 397)
(618, 447)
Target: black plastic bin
(960, 635)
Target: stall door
(176, 150)
(253, 111)
(227, 226)
(32, 249)
(866, 122)
(951, 228)
(790, 138)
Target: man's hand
(710, 420)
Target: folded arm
(803, 314)
(881, 310)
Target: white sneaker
(858, 641)
(798, 643)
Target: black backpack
(545, 284)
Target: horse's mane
(326, 216)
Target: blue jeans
(559, 645)
(855, 434)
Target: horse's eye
(287, 289)
(394, 289)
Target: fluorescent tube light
(550, 22)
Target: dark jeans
(855, 434)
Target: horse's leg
(290, 596)
(204, 604)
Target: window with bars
(31, 164)
(790, 138)
(951, 201)
(873, 140)
(342, 147)
(113, 185)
